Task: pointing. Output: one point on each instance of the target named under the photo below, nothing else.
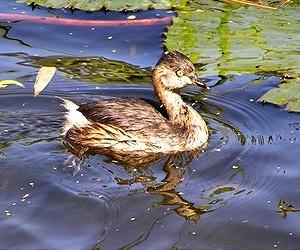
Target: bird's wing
(129, 114)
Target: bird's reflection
(174, 169)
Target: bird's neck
(178, 111)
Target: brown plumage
(131, 130)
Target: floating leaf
(93, 5)
(44, 76)
(5, 83)
(234, 39)
(287, 94)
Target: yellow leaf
(44, 76)
(5, 83)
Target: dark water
(227, 198)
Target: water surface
(226, 198)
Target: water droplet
(8, 213)
(25, 196)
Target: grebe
(131, 129)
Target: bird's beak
(200, 83)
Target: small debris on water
(131, 17)
(109, 37)
(132, 218)
(8, 213)
(25, 196)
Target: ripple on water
(232, 188)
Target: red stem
(86, 23)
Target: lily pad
(92, 5)
(238, 39)
(287, 94)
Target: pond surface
(242, 192)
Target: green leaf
(287, 94)
(5, 83)
(237, 39)
(92, 5)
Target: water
(227, 198)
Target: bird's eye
(179, 73)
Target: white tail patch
(73, 117)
